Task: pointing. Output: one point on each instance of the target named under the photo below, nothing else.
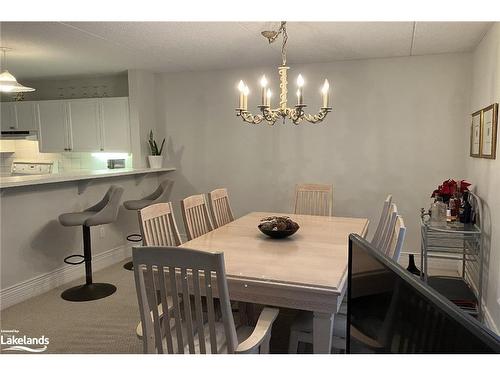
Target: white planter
(155, 161)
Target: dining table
(306, 271)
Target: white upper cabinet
(8, 116)
(26, 116)
(19, 116)
(85, 131)
(115, 124)
(53, 126)
(84, 125)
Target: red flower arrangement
(449, 188)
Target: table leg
(322, 332)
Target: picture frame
(475, 134)
(489, 131)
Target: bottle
(466, 216)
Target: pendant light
(8, 83)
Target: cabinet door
(115, 124)
(85, 132)
(8, 116)
(52, 126)
(25, 112)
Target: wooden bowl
(269, 226)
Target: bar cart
(459, 242)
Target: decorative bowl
(278, 226)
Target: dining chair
(196, 217)
(397, 240)
(314, 199)
(180, 271)
(383, 222)
(222, 214)
(387, 234)
(158, 226)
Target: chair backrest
(384, 217)
(107, 209)
(179, 271)
(398, 237)
(388, 231)
(162, 192)
(158, 226)
(314, 199)
(195, 215)
(220, 207)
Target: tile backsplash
(65, 162)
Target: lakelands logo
(11, 340)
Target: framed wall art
(475, 135)
(489, 123)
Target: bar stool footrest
(134, 237)
(67, 261)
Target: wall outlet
(102, 234)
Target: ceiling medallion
(270, 115)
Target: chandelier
(270, 115)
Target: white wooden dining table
(306, 271)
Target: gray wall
(396, 127)
(484, 173)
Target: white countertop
(15, 181)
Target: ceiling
(55, 49)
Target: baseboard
(45, 282)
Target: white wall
(484, 173)
(142, 86)
(396, 127)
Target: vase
(155, 161)
(411, 265)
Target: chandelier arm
(252, 119)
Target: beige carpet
(103, 326)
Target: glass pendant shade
(8, 83)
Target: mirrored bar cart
(462, 243)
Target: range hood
(30, 135)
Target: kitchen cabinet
(115, 124)
(8, 116)
(84, 125)
(85, 131)
(53, 126)
(26, 116)
(18, 116)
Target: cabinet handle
(102, 149)
(12, 127)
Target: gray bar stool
(160, 195)
(104, 212)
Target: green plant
(153, 146)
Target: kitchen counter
(82, 176)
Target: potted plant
(155, 159)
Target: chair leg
(89, 291)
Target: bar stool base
(88, 292)
(129, 266)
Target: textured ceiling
(51, 49)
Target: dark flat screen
(391, 311)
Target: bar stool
(160, 195)
(104, 212)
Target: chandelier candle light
(296, 114)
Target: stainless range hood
(29, 135)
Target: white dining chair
(313, 199)
(158, 226)
(219, 206)
(184, 328)
(388, 233)
(397, 240)
(383, 222)
(196, 216)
